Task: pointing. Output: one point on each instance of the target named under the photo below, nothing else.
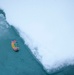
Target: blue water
(17, 63)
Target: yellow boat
(13, 44)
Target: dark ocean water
(22, 62)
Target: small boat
(14, 46)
